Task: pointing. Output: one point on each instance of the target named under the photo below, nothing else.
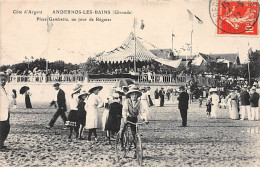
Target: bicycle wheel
(139, 150)
(118, 147)
(126, 141)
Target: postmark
(235, 17)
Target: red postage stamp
(238, 17)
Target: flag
(190, 15)
(142, 24)
(49, 25)
(199, 20)
(173, 35)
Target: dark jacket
(183, 100)
(244, 97)
(61, 100)
(156, 95)
(114, 118)
(254, 99)
(161, 93)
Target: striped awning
(126, 52)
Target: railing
(143, 78)
(49, 78)
(162, 78)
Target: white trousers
(243, 110)
(254, 113)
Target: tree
(216, 68)
(254, 64)
(91, 66)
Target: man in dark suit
(183, 105)
(254, 102)
(161, 94)
(62, 108)
(245, 104)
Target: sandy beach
(205, 142)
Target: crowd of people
(123, 105)
(130, 103)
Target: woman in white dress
(215, 103)
(144, 97)
(93, 103)
(233, 105)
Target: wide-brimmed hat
(213, 90)
(83, 92)
(2, 74)
(253, 88)
(119, 91)
(77, 87)
(255, 84)
(56, 85)
(95, 87)
(133, 90)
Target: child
(222, 102)
(72, 118)
(105, 115)
(114, 118)
(200, 101)
(81, 113)
(14, 96)
(208, 104)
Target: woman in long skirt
(82, 113)
(157, 98)
(93, 103)
(215, 103)
(233, 105)
(28, 100)
(72, 118)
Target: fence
(162, 78)
(143, 78)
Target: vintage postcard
(117, 83)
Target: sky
(22, 35)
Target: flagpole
(172, 40)
(191, 41)
(248, 72)
(135, 46)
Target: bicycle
(125, 144)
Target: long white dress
(92, 105)
(214, 108)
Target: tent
(126, 52)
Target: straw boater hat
(83, 92)
(133, 90)
(2, 74)
(255, 83)
(77, 87)
(213, 90)
(56, 85)
(94, 87)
